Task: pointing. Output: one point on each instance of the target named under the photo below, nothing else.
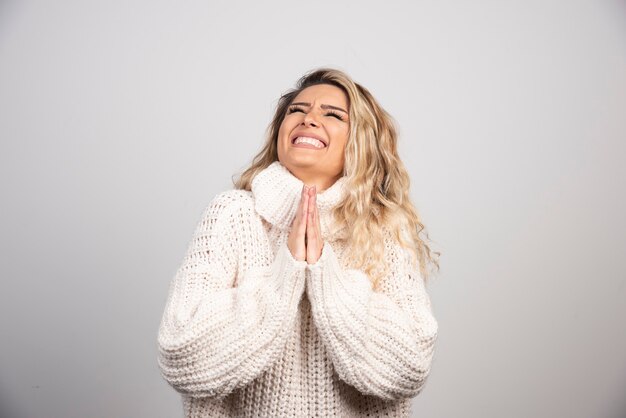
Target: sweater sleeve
(220, 329)
(380, 342)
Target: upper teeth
(312, 141)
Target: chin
(300, 157)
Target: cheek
(282, 134)
(341, 139)
(338, 151)
(285, 128)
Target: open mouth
(315, 142)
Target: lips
(297, 134)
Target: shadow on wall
(7, 9)
(620, 409)
(8, 410)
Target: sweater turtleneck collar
(277, 194)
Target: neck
(320, 182)
(277, 195)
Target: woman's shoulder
(236, 196)
(230, 202)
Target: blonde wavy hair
(377, 200)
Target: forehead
(323, 93)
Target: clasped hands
(305, 238)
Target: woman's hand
(305, 238)
(297, 236)
(314, 242)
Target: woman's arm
(213, 337)
(379, 342)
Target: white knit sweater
(250, 331)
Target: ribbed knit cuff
(286, 274)
(319, 264)
(322, 278)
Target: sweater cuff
(286, 267)
(289, 259)
(286, 261)
(327, 251)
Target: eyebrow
(324, 106)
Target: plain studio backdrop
(120, 121)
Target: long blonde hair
(377, 199)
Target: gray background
(119, 122)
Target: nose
(310, 119)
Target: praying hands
(305, 238)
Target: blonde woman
(302, 292)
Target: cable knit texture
(249, 331)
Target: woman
(302, 292)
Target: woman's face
(320, 113)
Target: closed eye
(337, 115)
(293, 109)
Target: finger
(311, 210)
(297, 220)
(316, 226)
(314, 218)
(303, 206)
(305, 211)
(317, 220)
(311, 233)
